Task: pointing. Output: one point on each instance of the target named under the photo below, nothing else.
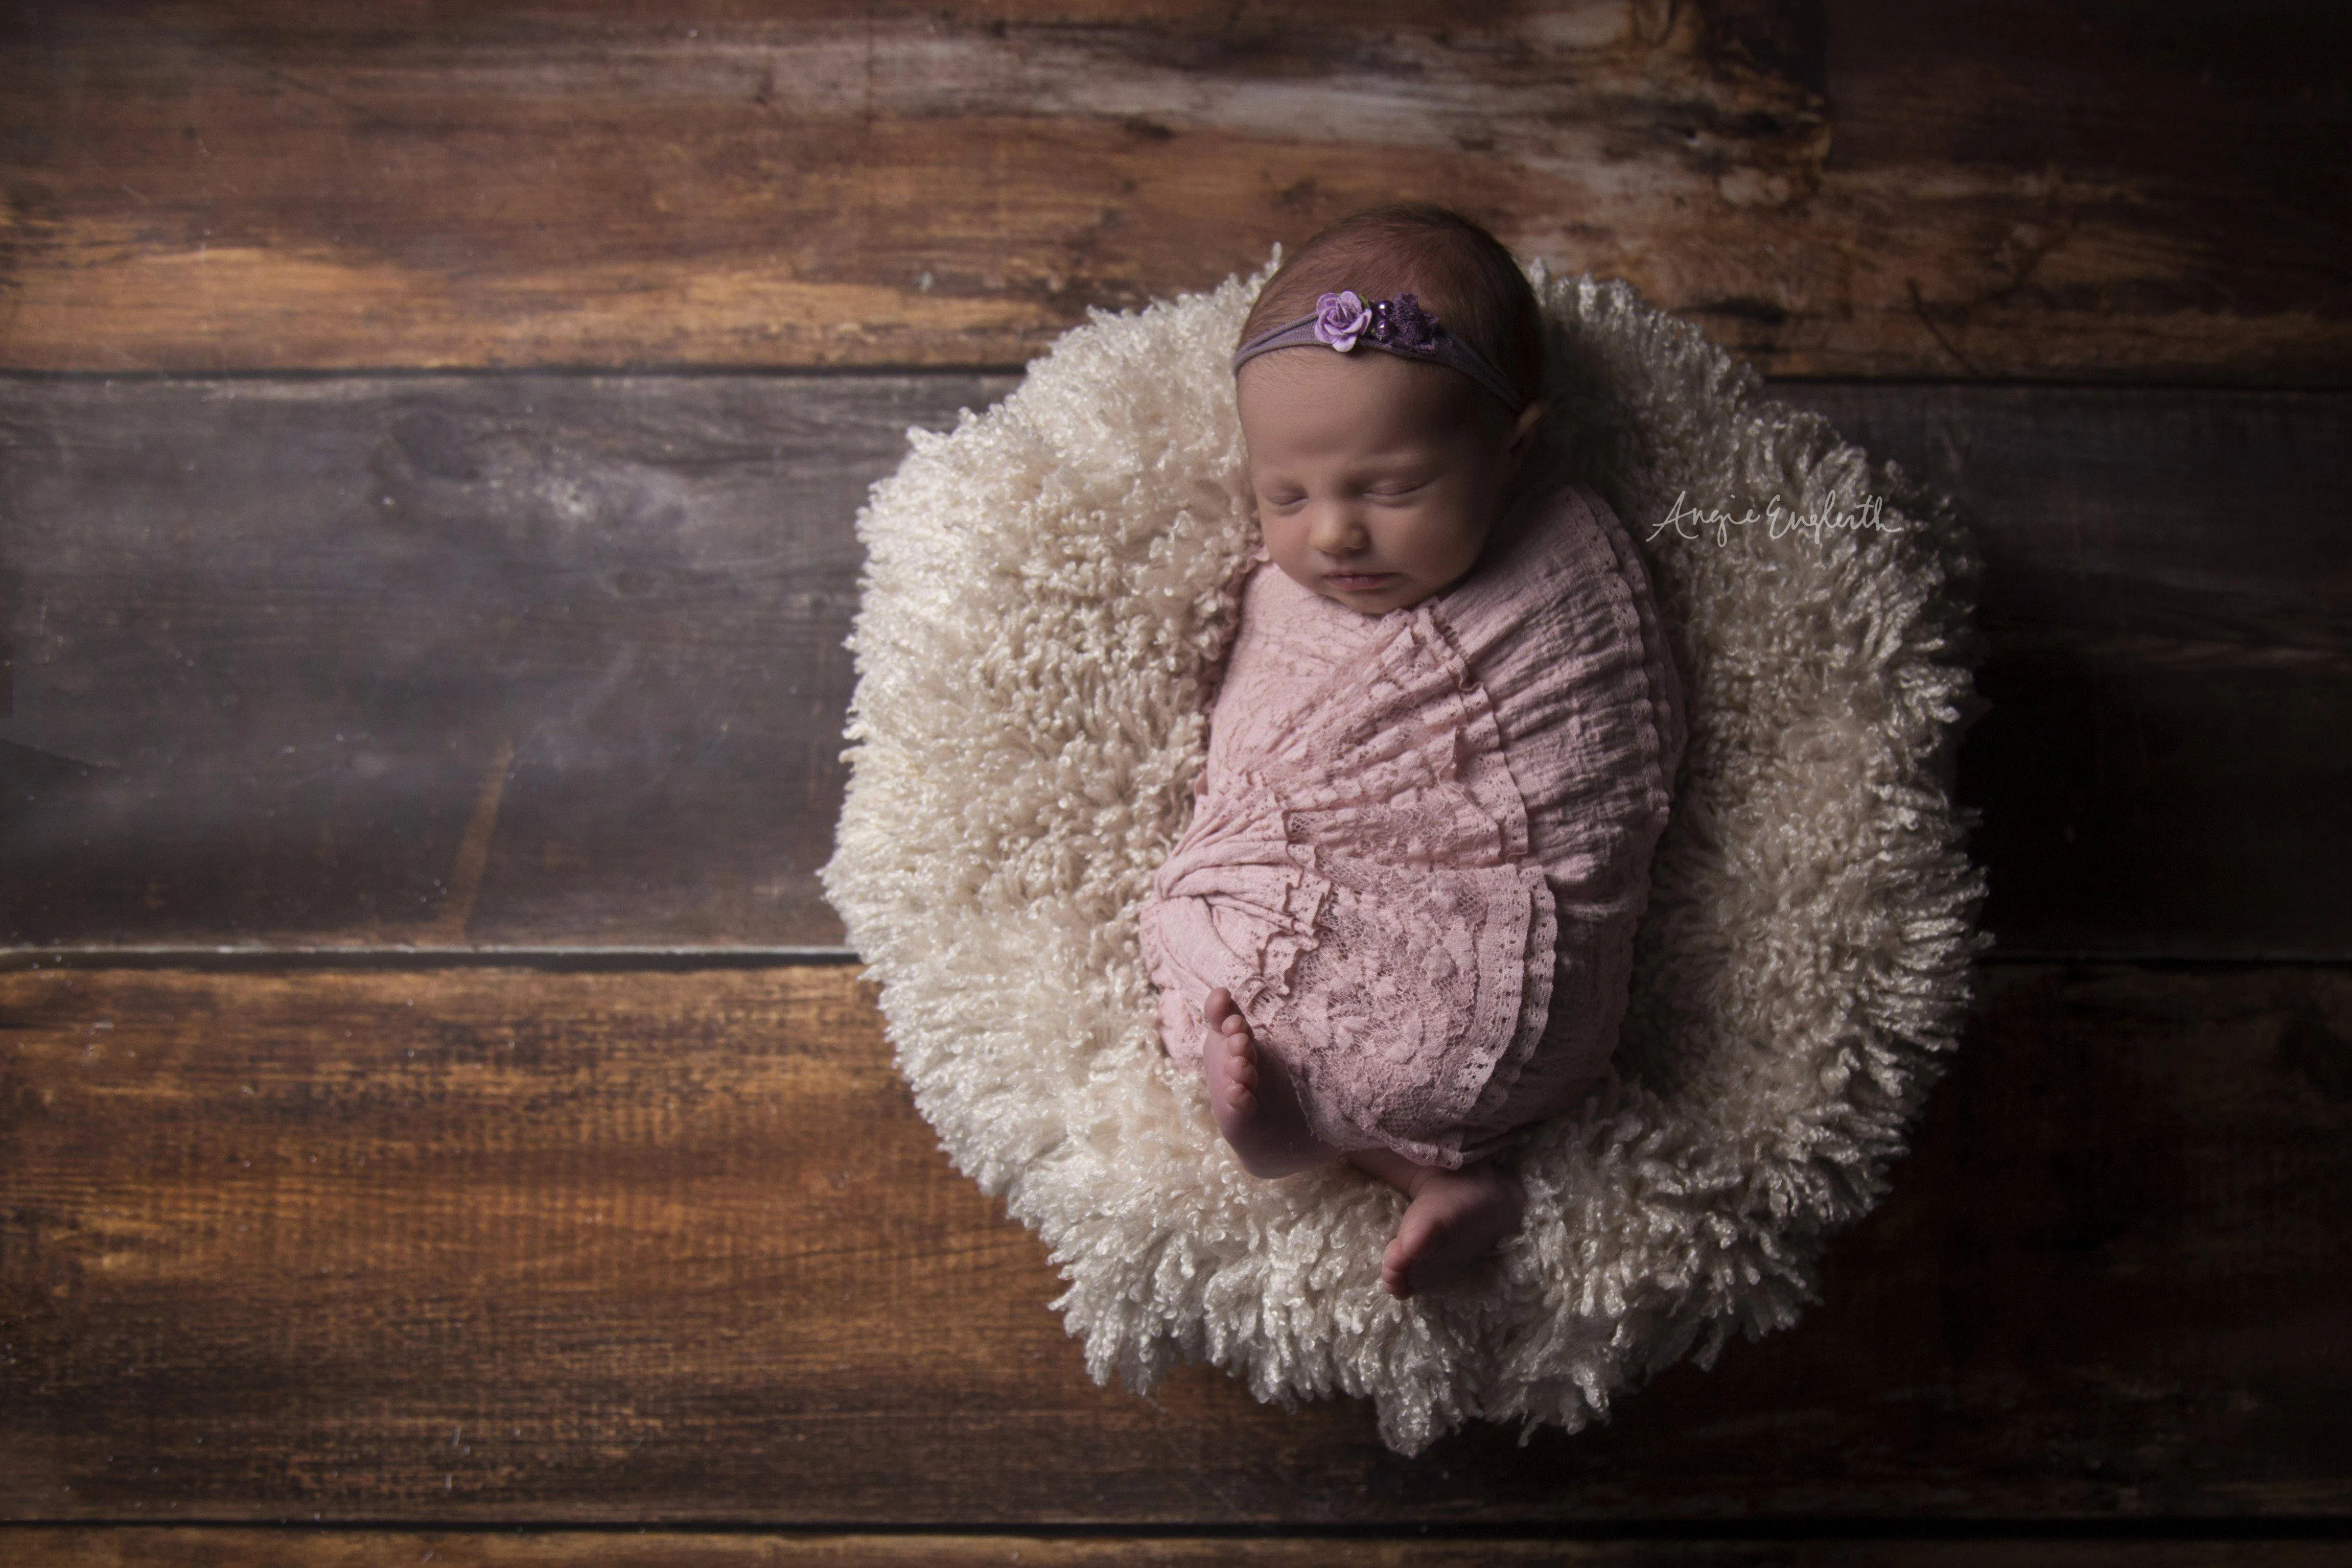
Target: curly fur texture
(1047, 586)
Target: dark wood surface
(2092, 190)
(438, 662)
(527, 1246)
(552, 660)
(2166, 765)
(313, 1548)
(513, 639)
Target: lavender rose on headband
(1338, 317)
(1398, 326)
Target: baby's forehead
(1310, 387)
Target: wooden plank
(551, 660)
(2164, 766)
(1840, 189)
(436, 662)
(109, 1546)
(511, 1246)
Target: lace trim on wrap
(1660, 738)
(1661, 710)
(1237, 903)
(1487, 772)
(1362, 889)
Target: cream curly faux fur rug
(1043, 593)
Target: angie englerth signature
(1689, 523)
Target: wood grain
(2134, 191)
(513, 1246)
(554, 661)
(2169, 617)
(87, 1547)
(436, 663)
(541, 660)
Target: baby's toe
(1396, 1274)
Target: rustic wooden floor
(437, 1119)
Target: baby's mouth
(1357, 579)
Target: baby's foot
(1253, 1104)
(1455, 1219)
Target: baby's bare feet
(1255, 1108)
(1455, 1219)
(1229, 1062)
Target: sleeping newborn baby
(1398, 929)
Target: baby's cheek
(1456, 538)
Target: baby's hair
(1462, 274)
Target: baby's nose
(1338, 531)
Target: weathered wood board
(551, 660)
(557, 660)
(433, 662)
(120, 1546)
(2166, 762)
(508, 1245)
(2012, 190)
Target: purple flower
(1338, 317)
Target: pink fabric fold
(1421, 840)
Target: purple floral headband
(1398, 326)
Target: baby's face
(1377, 479)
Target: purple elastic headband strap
(1398, 326)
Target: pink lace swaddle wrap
(1421, 840)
